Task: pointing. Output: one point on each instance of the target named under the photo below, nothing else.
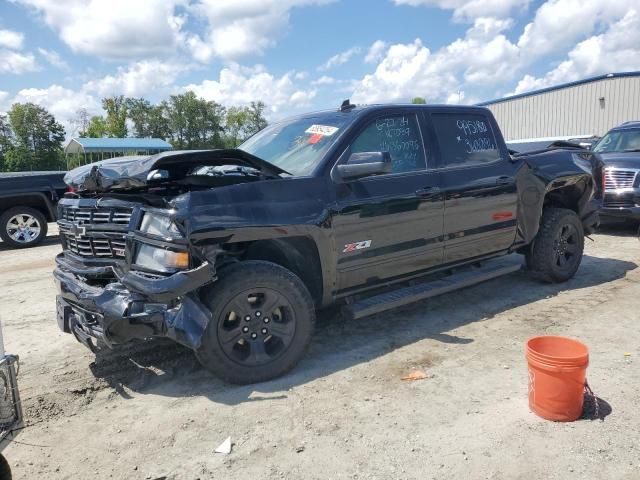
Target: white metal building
(587, 107)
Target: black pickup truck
(231, 252)
(27, 202)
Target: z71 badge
(352, 247)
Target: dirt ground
(151, 412)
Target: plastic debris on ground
(224, 447)
(414, 375)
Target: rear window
(465, 139)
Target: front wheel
(262, 322)
(557, 249)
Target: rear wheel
(22, 227)
(262, 322)
(557, 249)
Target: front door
(480, 195)
(388, 226)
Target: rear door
(389, 226)
(478, 183)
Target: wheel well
(565, 197)
(297, 254)
(33, 201)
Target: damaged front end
(121, 277)
(129, 269)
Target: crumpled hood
(621, 159)
(125, 173)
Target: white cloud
(12, 61)
(483, 57)
(238, 85)
(62, 102)
(17, 63)
(376, 52)
(4, 106)
(471, 9)
(138, 79)
(616, 49)
(240, 27)
(324, 80)
(558, 24)
(114, 28)
(11, 39)
(455, 98)
(53, 58)
(339, 59)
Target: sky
(304, 55)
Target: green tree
(116, 120)
(242, 122)
(158, 123)
(256, 118)
(97, 128)
(5, 140)
(194, 122)
(418, 100)
(236, 123)
(139, 110)
(37, 139)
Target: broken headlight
(161, 259)
(160, 225)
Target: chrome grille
(87, 246)
(95, 232)
(619, 178)
(84, 216)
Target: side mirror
(365, 164)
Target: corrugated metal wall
(576, 110)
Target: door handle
(427, 191)
(504, 180)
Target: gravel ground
(150, 412)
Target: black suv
(620, 152)
(230, 252)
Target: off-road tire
(234, 280)
(5, 469)
(542, 259)
(12, 212)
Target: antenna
(346, 106)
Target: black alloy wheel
(258, 326)
(566, 246)
(262, 320)
(558, 248)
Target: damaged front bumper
(133, 307)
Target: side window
(465, 139)
(397, 134)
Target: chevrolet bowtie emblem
(77, 231)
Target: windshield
(619, 141)
(297, 145)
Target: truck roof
(361, 109)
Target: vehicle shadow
(619, 229)
(167, 369)
(51, 239)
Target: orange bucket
(557, 374)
